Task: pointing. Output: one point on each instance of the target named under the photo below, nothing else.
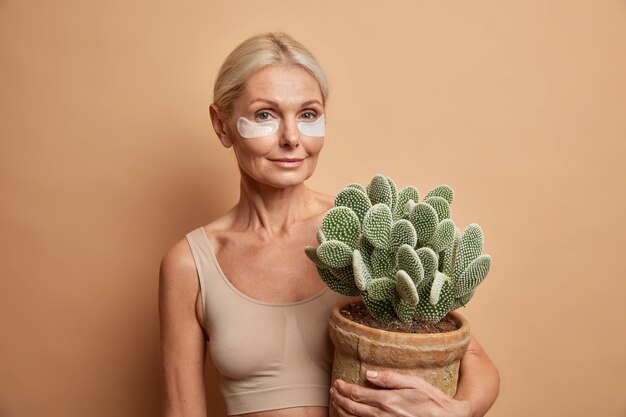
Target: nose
(289, 136)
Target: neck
(270, 211)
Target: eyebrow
(264, 100)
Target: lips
(288, 163)
(287, 160)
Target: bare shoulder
(177, 272)
(178, 260)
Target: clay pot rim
(461, 332)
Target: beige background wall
(107, 158)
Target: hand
(407, 396)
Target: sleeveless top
(268, 356)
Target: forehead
(287, 85)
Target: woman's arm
(478, 387)
(479, 380)
(183, 346)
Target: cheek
(314, 145)
(254, 147)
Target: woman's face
(288, 95)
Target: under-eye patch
(314, 129)
(248, 129)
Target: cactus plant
(404, 257)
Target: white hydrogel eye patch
(314, 129)
(248, 129)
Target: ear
(219, 126)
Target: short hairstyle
(256, 53)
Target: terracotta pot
(434, 357)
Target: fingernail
(332, 391)
(372, 374)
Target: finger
(390, 379)
(348, 407)
(340, 411)
(359, 394)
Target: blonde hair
(256, 53)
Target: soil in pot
(357, 312)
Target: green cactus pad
(443, 236)
(424, 219)
(366, 249)
(443, 191)
(434, 313)
(335, 254)
(377, 225)
(344, 274)
(462, 301)
(407, 260)
(473, 275)
(343, 224)
(382, 311)
(406, 288)
(404, 311)
(383, 263)
(311, 252)
(334, 284)
(362, 275)
(435, 289)
(381, 288)
(410, 205)
(406, 194)
(470, 248)
(357, 186)
(448, 256)
(440, 205)
(379, 191)
(320, 236)
(355, 199)
(402, 232)
(394, 194)
(429, 261)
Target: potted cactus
(408, 263)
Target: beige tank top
(268, 356)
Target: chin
(287, 179)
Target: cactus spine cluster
(404, 257)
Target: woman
(243, 281)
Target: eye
(263, 116)
(309, 116)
